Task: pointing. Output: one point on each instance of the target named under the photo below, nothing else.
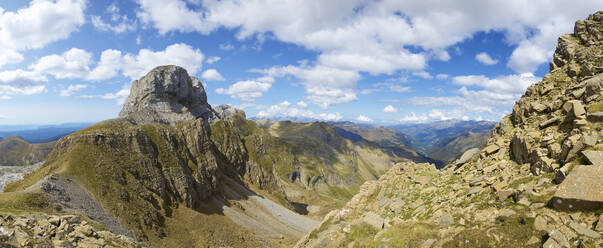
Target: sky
(369, 61)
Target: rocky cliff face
(538, 182)
(167, 94)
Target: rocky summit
(167, 94)
(537, 182)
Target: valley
(173, 170)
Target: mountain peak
(167, 94)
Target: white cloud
(118, 23)
(212, 75)
(172, 15)
(41, 23)
(226, 47)
(502, 84)
(372, 36)
(136, 66)
(390, 109)
(5, 97)
(212, 59)
(414, 118)
(284, 110)
(119, 96)
(72, 89)
(325, 86)
(20, 82)
(108, 67)
(399, 89)
(71, 64)
(302, 104)
(138, 40)
(363, 118)
(249, 90)
(492, 95)
(438, 114)
(423, 74)
(485, 59)
(442, 76)
(37, 25)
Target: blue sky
(382, 62)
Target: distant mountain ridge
(42, 133)
(444, 140)
(15, 151)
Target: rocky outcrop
(536, 183)
(166, 95)
(56, 231)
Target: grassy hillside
(15, 151)
(393, 141)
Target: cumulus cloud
(249, 90)
(20, 82)
(372, 36)
(363, 118)
(212, 75)
(517, 83)
(325, 86)
(490, 95)
(172, 15)
(69, 65)
(136, 66)
(390, 109)
(72, 89)
(302, 104)
(37, 25)
(485, 59)
(285, 110)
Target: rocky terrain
(538, 181)
(15, 151)
(171, 161)
(42, 230)
(9, 174)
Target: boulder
(584, 231)
(467, 155)
(166, 95)
(549, 122)
(595, 117)
(594, 157)
(519, 149)
(374, 220)
(538, 107)
(491, 149)
(574, 109)
(581, 190)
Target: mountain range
(173, 171)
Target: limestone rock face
(166, 95)
(227, 112)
